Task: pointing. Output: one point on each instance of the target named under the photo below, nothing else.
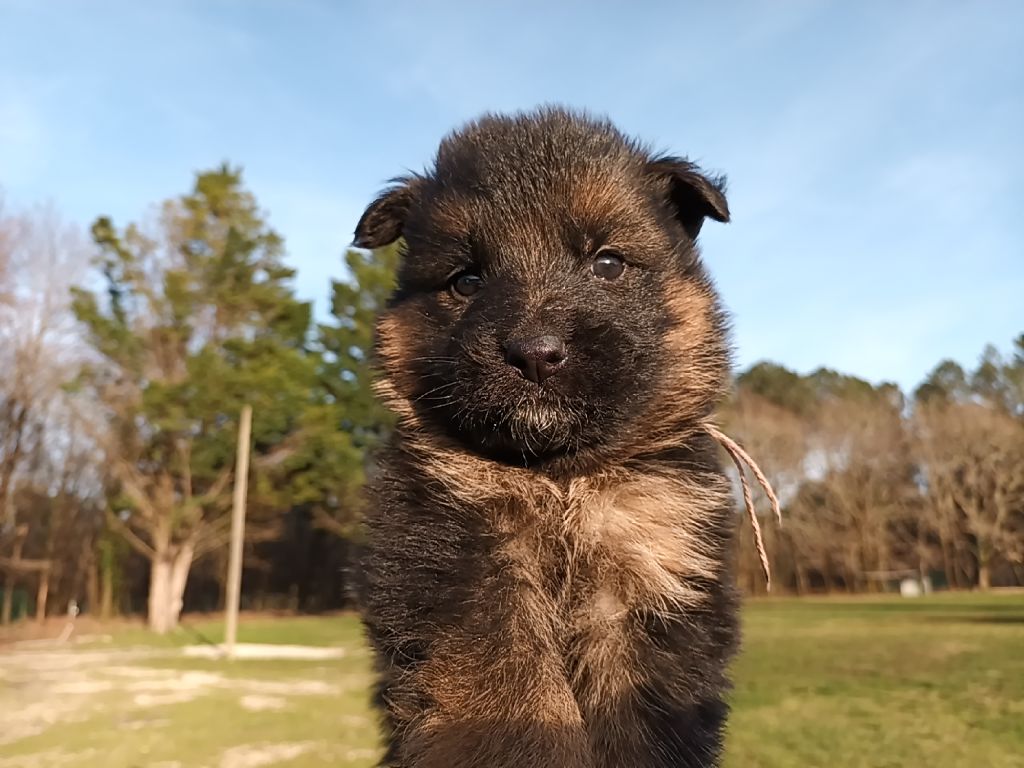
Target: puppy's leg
(473, 677)
(653, 728)
(656, 700)
(496, 703)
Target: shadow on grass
(986, 619)
(197, 635)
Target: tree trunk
(105, 565)
(106, 590)
(168, 575)
(92, 587)
(221, 576)
(803, 584)
(984, 576)
(826, 571)
(6, 613)
(8, 606)
(964, 579)
(984, 566)
(947, 561)
(42, 594)
(1018, 575)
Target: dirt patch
(262, 703)
(289, 687)
(43, 688)
(162, 699)
(82, 687)
(49, 758)
(33, 718)
(265, 651)
(187, 682)
(256, 755)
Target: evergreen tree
(191, 324)
(350, 421)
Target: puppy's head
(550, 301)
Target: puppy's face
(549, 300)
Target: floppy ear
(692, 195)
(383, 220)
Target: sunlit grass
(937, 682)
(846, 683)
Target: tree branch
(325, 522)
(17, 565)
(130, 536)
(216, 488)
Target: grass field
(859, 683)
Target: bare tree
(836, 449)
(7, 238)
(863, 451)
(779, 438)
(973, 461)
(40, 258)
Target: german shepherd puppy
(547, 575)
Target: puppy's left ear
(384, 219)
(692, 195)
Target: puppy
(547, 575)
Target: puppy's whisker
(441, 388)
(433, 360)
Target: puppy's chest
(598, 553)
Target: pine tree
(192, 323)
(351, 421)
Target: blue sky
(874, 149)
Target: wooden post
(234, 589)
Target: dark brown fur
(547, 577)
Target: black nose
(536, 358)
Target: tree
(348, 370)
(39, 256)
(58, 498)
(351, 420)
(779, 386)
(193, 321)
(835, 448)
(969, 440)
(947, 382)
(774, 429)
(1000, 382)
(867, 478)
(973, 457)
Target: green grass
(863, 683)
(858, 683)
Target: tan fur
(599, 198)
(393, 349)
(631, 539)
(690, 383)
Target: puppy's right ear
(384, 219)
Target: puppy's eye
(608, 265)
(466, 284)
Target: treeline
(880, 486)
(126, 357)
